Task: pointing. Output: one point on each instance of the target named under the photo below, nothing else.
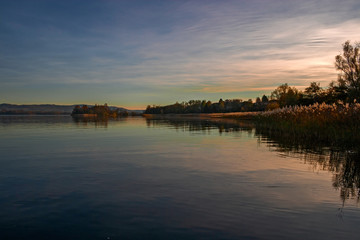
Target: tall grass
(333, 123)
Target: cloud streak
(228, 49)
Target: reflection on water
(95, 121)
(202, 125)
(343, 161)
(134, 178)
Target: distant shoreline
(34, 114)
(49, 109)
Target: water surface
(134, 178)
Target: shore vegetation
(330, 114)
(345, 89)
(324, 122)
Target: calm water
(178, 179)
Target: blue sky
(134, 53)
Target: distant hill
(47, 109)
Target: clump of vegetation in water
(103, 111)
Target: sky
(138, 53)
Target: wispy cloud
(211, 48)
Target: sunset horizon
(138, 53)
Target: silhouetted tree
(349, 66)
(313, 90)
(264, 99)
(336, 91)
(286, 95)
(312, 94)
(273, 104)
(221, 105)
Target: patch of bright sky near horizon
(134, 53)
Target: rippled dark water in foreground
(160, 179)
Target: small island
(101, 111)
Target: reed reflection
(342, 160)
(86, 121)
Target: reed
(332, 123)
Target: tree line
(99, 110)
(345, 89)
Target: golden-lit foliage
(321, 113)
(337, 120)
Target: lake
(133, 178)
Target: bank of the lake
(337, 124)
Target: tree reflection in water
(101, 122)
(341, 159)
(202, 125)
